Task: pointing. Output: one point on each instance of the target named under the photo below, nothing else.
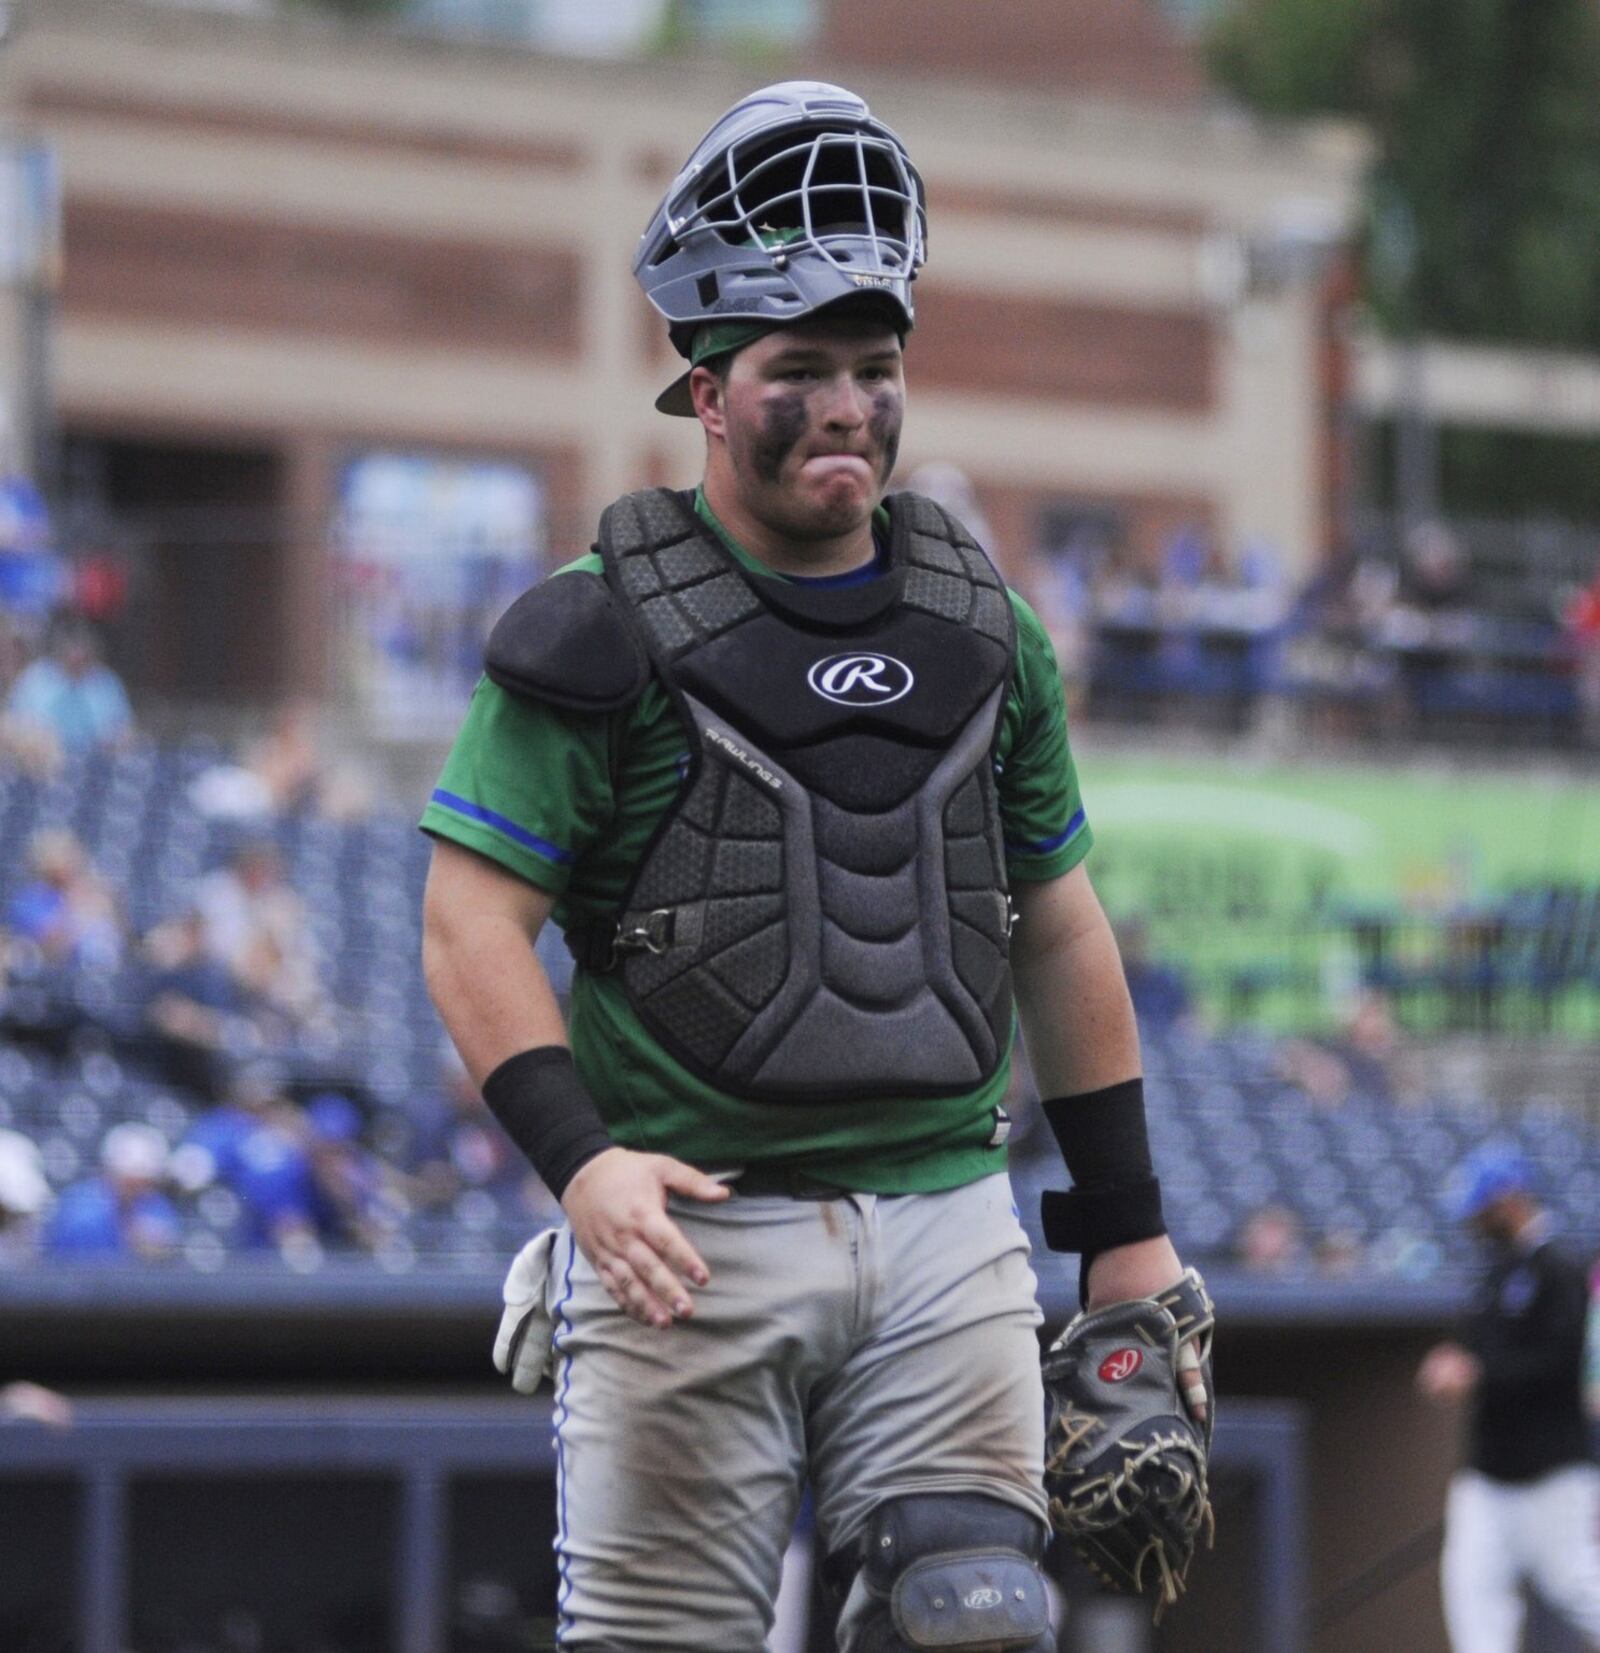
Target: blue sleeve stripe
(517, 835)
(1069, 831)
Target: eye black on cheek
(783, 423)
(888, 413)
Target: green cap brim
(716, 338)
(675, 399)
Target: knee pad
(953, 1571)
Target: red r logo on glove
(1120, 1365)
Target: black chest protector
(822, 914)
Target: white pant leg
(791, 1620)
(1562, 1544)
(680, 1452)
(1483, 1610)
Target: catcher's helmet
(798, 197)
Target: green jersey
(569, 801)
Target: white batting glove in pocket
(522, 1345)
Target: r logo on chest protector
(861, 679)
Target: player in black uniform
(1526, 1507)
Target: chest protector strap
(822, 914)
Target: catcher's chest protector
(823, 912)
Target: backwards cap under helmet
(798, 197)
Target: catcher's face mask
(798, 197)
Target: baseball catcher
(1130, 1403)
(788, 764)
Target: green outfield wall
(1286, 877)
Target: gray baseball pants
(876, 1345)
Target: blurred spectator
(1338, 1254)
(1364, 1058)
(209, 1154)
(1351, 593)
(1161, 997)
(1261, 568)
(67, 702)
(1434, 575)
(66, 909)
(194, 1010)
(302, 1178)
(1405, 1254)
(455, 1143)
(15, 652)
(24, 1194)
(1192, 558)
(33, 1403)
(281, 772)
(1431, 623)
(1330, 650)
(33, 579)
(1315, 1070)
(1371, 1047)
(123, 1211)
(354, 1197)
(1076, 557)
(1271, 1241)
(254, 1146)
(270, 1172)
(255, 923)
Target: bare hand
(1448, 1373)
(1144, 1269)
(617, 1205)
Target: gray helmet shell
(798, 197)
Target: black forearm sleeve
(543, 1107)
(1115, 1197)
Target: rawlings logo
(861, 679)
(715, 737)
(979, 1601)
(1120, 1365)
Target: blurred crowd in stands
(1406, 632)
(214, 1036)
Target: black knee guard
(954, 1571)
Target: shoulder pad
(926, 516)
(565, 642)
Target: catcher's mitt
(1126, 1452)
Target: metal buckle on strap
(654, 935)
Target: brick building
(289, 243)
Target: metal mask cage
(809, 196)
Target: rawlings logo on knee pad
(975, 1600)
(949, 1573)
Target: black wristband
(543, 1107)
(1102, 1134)
(1091, 1222)
(1115, 1198)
